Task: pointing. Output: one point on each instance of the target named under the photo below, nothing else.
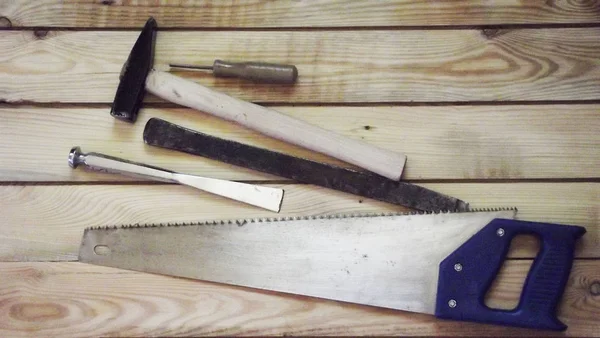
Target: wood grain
(47, 222)
(75, 299)
(448, 142)
(354, 57)
(321, 13)
(334, 66)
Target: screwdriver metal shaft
(259, 72)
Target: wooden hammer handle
(275, 124)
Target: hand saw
(437, 263)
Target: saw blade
(386, 260)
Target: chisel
(259, 72)
(263, 197)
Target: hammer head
(132, 85)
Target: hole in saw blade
(506, 289)
(101, 250)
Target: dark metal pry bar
(164, 134)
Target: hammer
(138, 76)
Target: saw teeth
(244, 221)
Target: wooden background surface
(494, 102)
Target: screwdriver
(260, 72)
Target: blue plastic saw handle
(467, 273)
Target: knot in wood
(5, 22)
(491, 33)
(40, 34)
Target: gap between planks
(47, 222)
(267, 182)
(317, 14)
(274, 104)
(42, 30)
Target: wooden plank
(47, 222)
(458, 142)
(75, 299)
(334, 66)
(320, 13)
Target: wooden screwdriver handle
(275, 124)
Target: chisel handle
(275, 124)
(114, 165)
